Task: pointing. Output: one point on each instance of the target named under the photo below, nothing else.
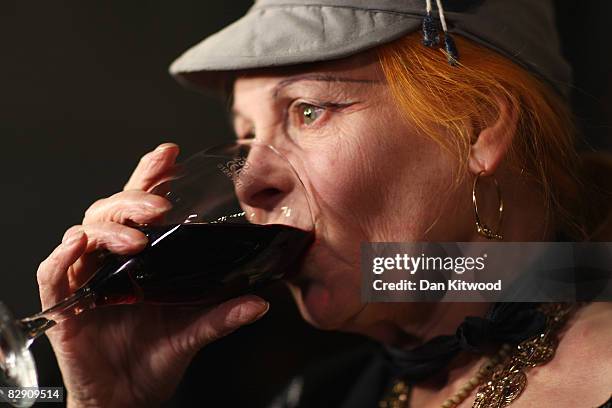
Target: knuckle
(135, 214)
(72, 230)
(43, 274)
(120, 215)
(193, 343)
(236, 317)
(217, 328)
(121, 239)
(211, 334)
(104, 235)
(121, 207)
(145, 158)
(150, 158)
(91, 212)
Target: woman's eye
(309, 113)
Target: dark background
(84, 92)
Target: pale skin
(371, 177)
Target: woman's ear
(492, 143)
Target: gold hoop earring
(482, 228)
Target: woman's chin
(319, 306)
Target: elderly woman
(389, 110)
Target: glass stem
(36, 325)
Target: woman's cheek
(332, 168)
(352, 164)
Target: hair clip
(431, 38)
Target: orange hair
(434, 95)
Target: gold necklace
(400, 392)
(503, 375)
(508, 381)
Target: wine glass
(240, 219)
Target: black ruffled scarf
(503, 323)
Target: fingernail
(165, 146)
(74, 237)
(264, 309)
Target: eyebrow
(305, 77)
(317, 77)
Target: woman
(389, 118)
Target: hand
(128, 355)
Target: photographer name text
(426, 285)
(412, 264)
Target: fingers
(64, 270)
(102, 225)
(152, 167)
(221, 321)
(116, 238)
(133, 205)
(52, 273)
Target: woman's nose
(265, 185)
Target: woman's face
(369, 174)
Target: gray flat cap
(288, 32)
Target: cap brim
(277, 33)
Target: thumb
(221, 321)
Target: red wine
(201, 264)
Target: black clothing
(358, 378)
